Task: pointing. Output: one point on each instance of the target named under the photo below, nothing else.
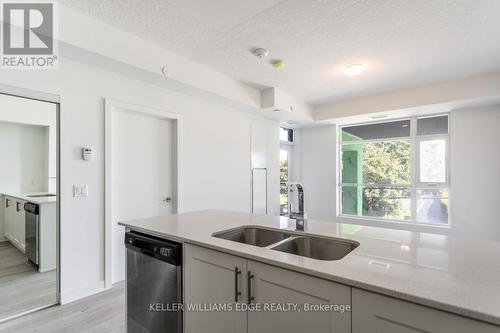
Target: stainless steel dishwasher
(154, 284)
(32, 232)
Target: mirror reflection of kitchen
(28, 213)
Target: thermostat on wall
(87, 153)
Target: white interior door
(141, 174)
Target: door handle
(7, 203)
(18, 206)
(250, 298)
(237, 293)
(167, 199)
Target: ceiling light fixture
(354, 69)
(278, 63)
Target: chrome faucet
(296, 205)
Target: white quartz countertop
(36, 200)
(443, 272)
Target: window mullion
(414, 167)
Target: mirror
(28, 205)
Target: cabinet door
(11, 218)
(272, 285)
(7, 217)
(374, 313)
(210, 277)
(20, 223)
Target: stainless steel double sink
(298, 243)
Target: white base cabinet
(14, 222)
(15, 230)
(270, 284)
(47, 237)
(212, 277)
(374, 313)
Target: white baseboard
(16, 244)
(75, 294)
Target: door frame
(110, 107)
(57, 101)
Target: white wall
(215, 161)
(474, 172)
(33, 112)
(314, 163)
(24, 166)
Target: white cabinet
(212, 277)
(327, 303)
(374, 313)
(47, 237)
(9, 214)
(14, 220)
(20, 225)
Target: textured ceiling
(405, 43)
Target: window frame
(288, 147)
(291, 135)
(415, 183)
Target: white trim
(109, 107)
(29, 94)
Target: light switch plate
(80, 191)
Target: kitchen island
(449, 282)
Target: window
(284, 156)
(286, 138)
(286, 135)
(396, 170)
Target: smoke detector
(260, 52)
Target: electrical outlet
(80, 191)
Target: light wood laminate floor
(22, 287)
(104, 312)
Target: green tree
(283, 180)
(386, 163)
